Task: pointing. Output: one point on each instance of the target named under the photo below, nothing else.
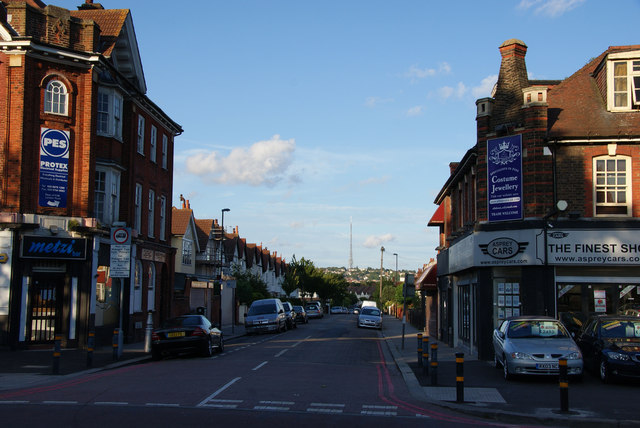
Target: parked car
(531, 345)
(338, 310)
(301, 315)
(186, 333)
(610, 346)
(314, 310)
(291, 315)
(370, 317)
(265, 315)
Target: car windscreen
(620, 329)
(297, 308)
(181, 322)
(312, 308)
(371, 311)
(536, 329)
(263, 309)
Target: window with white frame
(141, 134)
(152, 213)
(138, 206)
(624, 81)
(163, 217)
(153, 143)
(56, 98)
(165, 151)
(107, 195)
(612, 186)
(109, 113)
(187, 251)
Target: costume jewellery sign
(504, 178)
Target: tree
(249, 287)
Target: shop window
(56, 98)
(464, 313)
(137, 287)
(612, 186)
(151, 297)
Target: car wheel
(208, 351)
(221, 345)
(505, 369)
(603, 369)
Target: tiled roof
(110, 22)
(180, 220)
(577, 108)
(203, 227)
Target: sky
(308, 118)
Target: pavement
(485, 393)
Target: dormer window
(624, 82)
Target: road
(324, 372)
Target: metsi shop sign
(593, 247)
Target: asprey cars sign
(54, 167)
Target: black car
(291, 315)
(301, 315)
(610, 344)
(186, 334)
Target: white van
(366, 303)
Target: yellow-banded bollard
(420, 349)
(90, 346)
(56, 354)
(459, 377)
(115, 344)
(434, 364)
(564, 385)
(425, 354)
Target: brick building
(86, 167)
(541, 214)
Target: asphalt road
(325, 372)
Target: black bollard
(90, 345)
(434, 364)
(116, 333)
(56, 354)
(459, 377)
(564, 385)
(425, 354)
(420, 349)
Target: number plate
(547, 366)
(175, 334)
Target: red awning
(438, 217)
(428, 278)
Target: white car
(370, 317)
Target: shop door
(45, 308)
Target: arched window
(56, 98)
(151, 302)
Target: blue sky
(301, 115)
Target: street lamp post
(381, 256)
(224, 210)
(396, 254)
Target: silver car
(533, 345)
(370, 317)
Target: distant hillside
(364, 275)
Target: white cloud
(552, 8)
(415, 73)
(375, 101)
(264, 163)
(415, 111)
(447, 91)
(486, 86)
(376, 241)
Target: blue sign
(504, 178)
(46, 247)
(54, 168)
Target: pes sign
(54, 168)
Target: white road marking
(282, 409)
(218, 400)
(320, 410)
(282, 403)
(219, 391)
(372, 406)
(259, 365)
(162, 404)
(372, 413)
(14, 402)
(221, 406)
(327, 405)
(59, 402)
(281, 352)
(111, 403)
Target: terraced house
(86, 170)
(541, 215)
